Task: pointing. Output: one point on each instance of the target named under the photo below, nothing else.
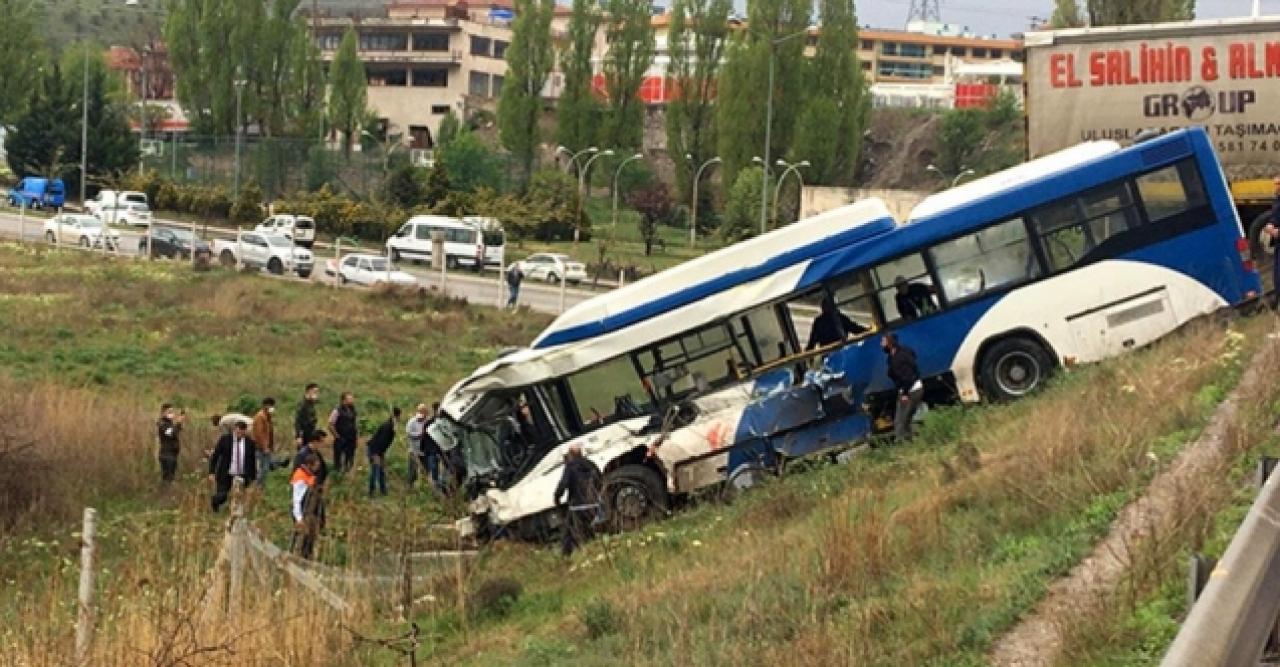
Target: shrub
(600, 618)
(495, 597)
(742, 209)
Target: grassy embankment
(909, 555)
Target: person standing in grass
(168, 429)
(514, 277)
(232, 457)
(432, 456)
(312, 447)
(263, 433)
(305, 506)
(906, 379)
(378, 446)
(304, 420)
(414, 429)
(345, 426)
(578, 498)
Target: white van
(109, 204)
(301, 229)
(465, 243)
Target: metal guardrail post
(1236, 614)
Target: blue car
(38, 193)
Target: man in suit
(234, 456)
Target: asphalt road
(482, 290)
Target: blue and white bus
(710, 371)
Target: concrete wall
(817, 199)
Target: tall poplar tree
(1127, 12)
(578, 111)
(529, 59)
(348, 97)
(19, 56)
(631, 47)
(829, 129)
(1066, 14)
(696, 41)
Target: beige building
(425, 57)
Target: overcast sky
(1004, 17)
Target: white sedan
(78, 229)
(550, 266)
(363, 269)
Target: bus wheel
(634, 494)
(1262, 247)
(1013, 368)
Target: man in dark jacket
(514, 277)
(581, 484)
(913, 299)
(304, 420)
(378, 446)
(168, 429)
(831, 326)
(906, 381)
(345, 425)
(232, 457)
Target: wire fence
(277, 166)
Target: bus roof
(719, 271)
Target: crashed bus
(712, 372)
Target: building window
(912, 50)
(328, 41)
(419, 136)
(939, 70)
(866, 65)
(432, 77)
(478, 84)
(997, 53)
(889, 48)
(384, 41)
(959, 51)
(481, 46)
(430, 41)
(979, 53)
(439, 109)
(497, 85)
(905, 70)
(868, 45)
(939, 50)
(381, 76)
(811, 40)
(499, 48)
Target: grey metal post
(22, 214)
(388, 266)
(84, 127)
(142, 126)
(84, 615)
(563, 280)
(151, 254)
(173, 154)
(768, 136)
(195, 238)
(239, 84)
(693, 216)
(582, 173)
(616, 173)
(337, 261)
(239, 250)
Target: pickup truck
(276, 254)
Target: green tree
(1127, 12)
(778, 30)
(348, 97)
(742, 207)
(578, 111)
(1066, 14)
(552, 205)
(448, 130)
(829, 131)
(471, 164)
(438, 184)
(529, 60)
(631, 46)
(960, 135)
(39, 137)
(19, 56)
(404, 187)
(113, 148)
(696, 40)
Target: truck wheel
(275, 266)
(1262, 247)
(634, 494)
(1013, 368)
(227, 259)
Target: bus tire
(1263, 249)
(1014, 367)
(634, 494)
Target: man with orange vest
(305, 506)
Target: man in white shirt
(234, 456)
(413, 431)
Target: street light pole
(142, 126)
(787, 169)
(693, 211)
(582, 173)
(239, 84)
(616, 173)
(84, 127)
(573, 157)
(768, 126)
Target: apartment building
(424, 58)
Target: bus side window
(905, 288)
(985, 260)
(1072, 228)
(765, 333)
(853, 298)
(1172, 190)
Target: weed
(600, 618)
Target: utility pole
(239, 84)
(84, 112)
(142, 126)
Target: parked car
(110, 199)
(174, 243)
(79, 229)
(366, 269)
(465, 243)
(125, 213)
(300, 228)
(38, 193)
(276, 254)
(549, 266)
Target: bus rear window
(1172, 190)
